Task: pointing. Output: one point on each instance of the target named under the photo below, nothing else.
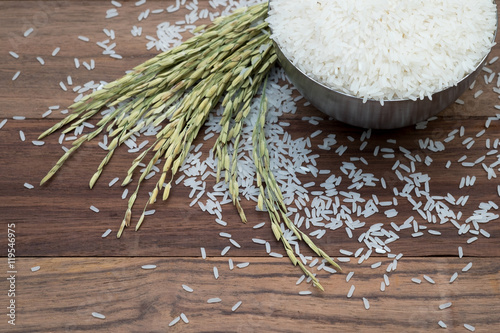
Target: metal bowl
(351, 109)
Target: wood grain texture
(65, 202)
(82, 272)
(132, 298)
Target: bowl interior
(372, 114)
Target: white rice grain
(113, 181)
(444, 306)
(366, 303)
(259, 225)
(174, 321)
(225, 250)
(470, 327)
(351, 291)
(147, 267)
(467, 267)
(243, 265)
(214, 300)
(110, 13)
(98, 315)
(203, 253)
(46, 113)
(453, 277)
(184, 318)
(28, 32)
(106, 233)
(63, 86)
(316, 133)
(235, 243)
(236, 306)
(386, 279)
(429, 279)
(187, 288)
(472, 240)
(216, 272)
(16, 75)
(222, 223)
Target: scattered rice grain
(106, 233)
(187, 288)
(236, 306)
(366, 303)
(442, 324)
(467, 267)
(214, 300)
(98, 315)
(444, 306)
(174, 321)
(351, 291)
(216, 273)
(16, 75)
(470, 327)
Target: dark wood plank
(65, 291)
(63, 204)
(58, 24)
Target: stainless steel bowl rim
(388, 100)
(371, 113)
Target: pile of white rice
(385, 49)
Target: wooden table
(81, 272)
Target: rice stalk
(177, 89)
(271, 198)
